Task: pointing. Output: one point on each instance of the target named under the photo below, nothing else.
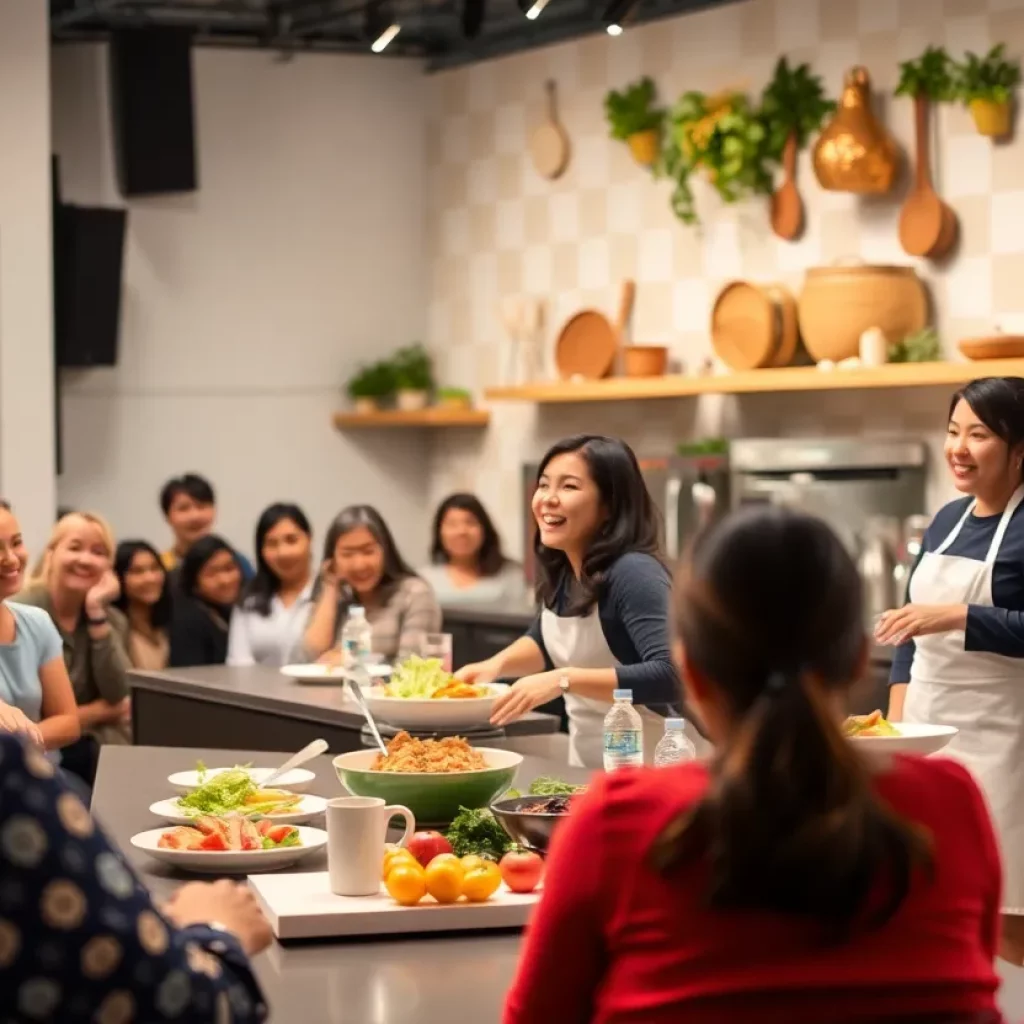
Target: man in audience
(190, 508)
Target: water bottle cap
(622, 694)
(356, 611)
(675, 723)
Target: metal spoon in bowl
(307, 753)
(356, 677)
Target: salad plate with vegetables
(877, 732)
(298, 780)
(422, 695)
(231, 844)
(235, 792)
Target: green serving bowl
(434, 798)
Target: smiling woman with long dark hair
(145, 601)
(268, 626)
(467, 563)
(605, 592)
(362, 566)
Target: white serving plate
(298, 780)
(308, 808)
(302, 906)
(914, 738)
(231, 862)
(429, 714)
(329, 675)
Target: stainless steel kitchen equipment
(877, 565)
(914, 528)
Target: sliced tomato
(214, 841)
(279, 833)
(264, 825)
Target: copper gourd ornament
(855, 152)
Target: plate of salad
(421, 695)
(297, 781)
(231, 844)
(877, 732)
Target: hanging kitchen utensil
(855, 152)
(754, 326)
(927, 225)
(549, 145)
(588, 343)
(787, 210)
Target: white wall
(26, 306)
(248, 303)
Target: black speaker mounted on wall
(153, 119)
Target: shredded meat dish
(406, 754)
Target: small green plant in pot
(986, 86)
(414, 377)
(371, 385)
(454, 398)
(932, 76)
(635, 119)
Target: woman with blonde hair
(74, 583)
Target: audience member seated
(74, 583)
(362, 566)
(794, 878)
(211, 580)
(36, 698)
(82, 940)
(268, 627)
(468, 564)
(145, 601)
(190, 508)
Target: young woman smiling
(606, 597)
(36, 698)
(268, 627)
(961, 634)
(145, 600)
(362, 566)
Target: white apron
(982, 694)
(578, 641)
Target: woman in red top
(792, 879)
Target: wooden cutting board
(754, 326)
(549, 144)
(588, 343)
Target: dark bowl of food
(531, 820)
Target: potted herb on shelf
(635, 120)
(370, 386)
(414, 377)
(932, 76)
(454, 398)
(986, 86)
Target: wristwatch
(563, 682)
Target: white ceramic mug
(357, 827)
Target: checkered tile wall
(496, 229)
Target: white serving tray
(302, 906)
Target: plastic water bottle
(675, 746)
(356, 638)
(623, 734)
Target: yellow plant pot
(455, 402)
(991, 118)
(644, 147)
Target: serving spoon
(307, 753)
(355, 677)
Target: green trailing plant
(723, 136)
(793, 103)
(933, 75)
(633, 110)
(374, 381)
(413, 369)
(991, 78)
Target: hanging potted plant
(986, 86)
(635, 120)
(370, 386)
(723, 137)
(932, 76)
(414, 377)
(454, 398)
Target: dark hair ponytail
(769, 612)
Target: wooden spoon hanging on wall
(928, 227)
(787, 214)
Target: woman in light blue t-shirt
(36, 698)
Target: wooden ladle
(928, 227)
(787, 214)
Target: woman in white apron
(961, 634)
(605, 596)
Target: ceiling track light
(533, 8)
(381, 42)
(380, 25)
(616, 14)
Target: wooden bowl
(1001, 346)
(644, 360)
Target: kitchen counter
(384, 981)
(258, 708)
(513, 614)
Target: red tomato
(214, 841)
(521, 870)
(425, 846)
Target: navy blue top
(80, 937)
(633, 610)
(999, 629)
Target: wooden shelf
(435, 416)
(793, 378)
